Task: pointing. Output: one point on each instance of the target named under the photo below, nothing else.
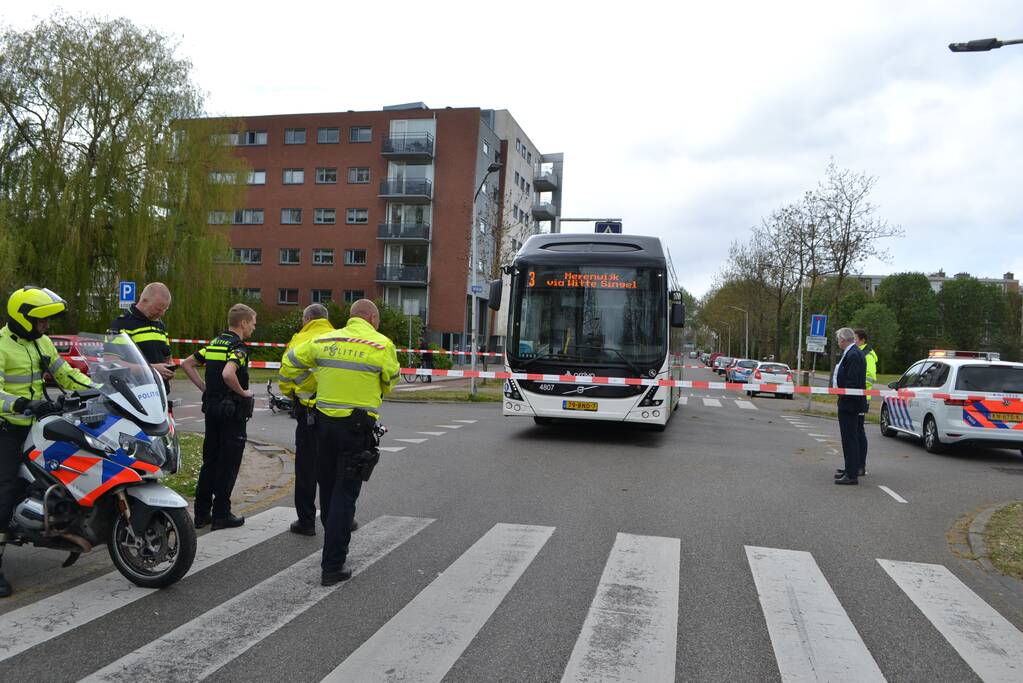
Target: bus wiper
(639, 373)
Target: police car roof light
(984, 355)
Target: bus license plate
(579, 405)
(1007, 417)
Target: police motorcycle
(92, 467)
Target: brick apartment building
(380, 204)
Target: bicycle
(417, 362)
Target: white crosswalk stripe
(411, 440)
(812, 636)
(986, 640)
(630, 633)
(468, 422)
(424, 640)
(392, 449)
(683, 400)
(746, 405)
(712, 403)
(53, 616)
(199, 648)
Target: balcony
(544, 211)
(401, 274)
(407, 190)
(408, 146)
(404, 232)
(545, 180)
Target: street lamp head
(495, 167)
(982, 45)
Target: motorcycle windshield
(122, 375)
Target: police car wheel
(932, 444)
(886, 426)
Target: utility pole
(493, 168)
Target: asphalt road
(494, 549)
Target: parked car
(959, 397)
(77, 351)
(705, 358)
(772, 373)
(712, 358)
(741, 370)
(720, 365)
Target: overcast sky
(689, 122)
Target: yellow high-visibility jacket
(355, 367)
(21, 372)
(302, 383)
(871, 358)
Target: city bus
(591, 305)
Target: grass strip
(1003, 537)
(191, 460)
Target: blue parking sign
(126, 294)
(818, 325)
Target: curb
(284, 480)
(975, 535)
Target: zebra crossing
(716, 402)
(629, 633)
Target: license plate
(579, 405)
(1007, 417)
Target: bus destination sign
(571, 280)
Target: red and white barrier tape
(279, 345)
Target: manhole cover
(1009, 470)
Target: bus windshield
(590, 314)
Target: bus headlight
(511, 390)
(649, 399)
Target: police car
(959, 397)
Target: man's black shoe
(355, 525)
(5, 587)
(846, 481)
(302, 529)
(201, 521)
(229, 522)
(331, 578)
(841, 473)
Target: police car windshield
(115, 363)
(1003, 379)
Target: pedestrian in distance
(427, 359)
(870, 356)
(143, 322)
(850, 373)
(355, 368)
(300, 385)
(227, 403)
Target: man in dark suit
(850, 373)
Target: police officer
(227, 403)
(354, 367)
(301, 386)
(25, 354)
(143, 323)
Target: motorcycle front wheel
(161, 554)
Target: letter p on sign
(126, 294)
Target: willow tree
(105, 171)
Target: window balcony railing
(399, 272)
(408, 145)
(403, 231)
(545, 180)
(409, 190)
(544, 211)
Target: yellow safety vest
(355, 367)
(21, 372)
(302, 383)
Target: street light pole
(746, 350)
(729, 326)
(982, 45)
(493, 168)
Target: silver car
(769, 372)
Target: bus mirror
(678, 315)
(494, 302)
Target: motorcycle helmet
(31, 303)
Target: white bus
(596, 305)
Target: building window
(516, 177)
(294, 136)
(322, 296)
(247, 256)
(323, 257)
(326, 175)
(217, 218)
(518, 144)
(486, 148)
(250, 293)
(289, 257)
(353, 295)
(325, 216)
(291, 216)
(257, 177)
(248, 217)
(252, 137)
(529, 157)
(360, 134)
(528, 188)
(355, 257)
(328, 136)
(222, 178)
(287, 297)
(358, 175)
(293, 176)
(357, 216)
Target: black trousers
(221, 457)
(12, 441)
(305, 467)
(861, 434)
(337, 441)
(849, 425)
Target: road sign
(818, 325)
(815, 344)
(608, 228)
(125, 294)
(477, 289)
(410, 306)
